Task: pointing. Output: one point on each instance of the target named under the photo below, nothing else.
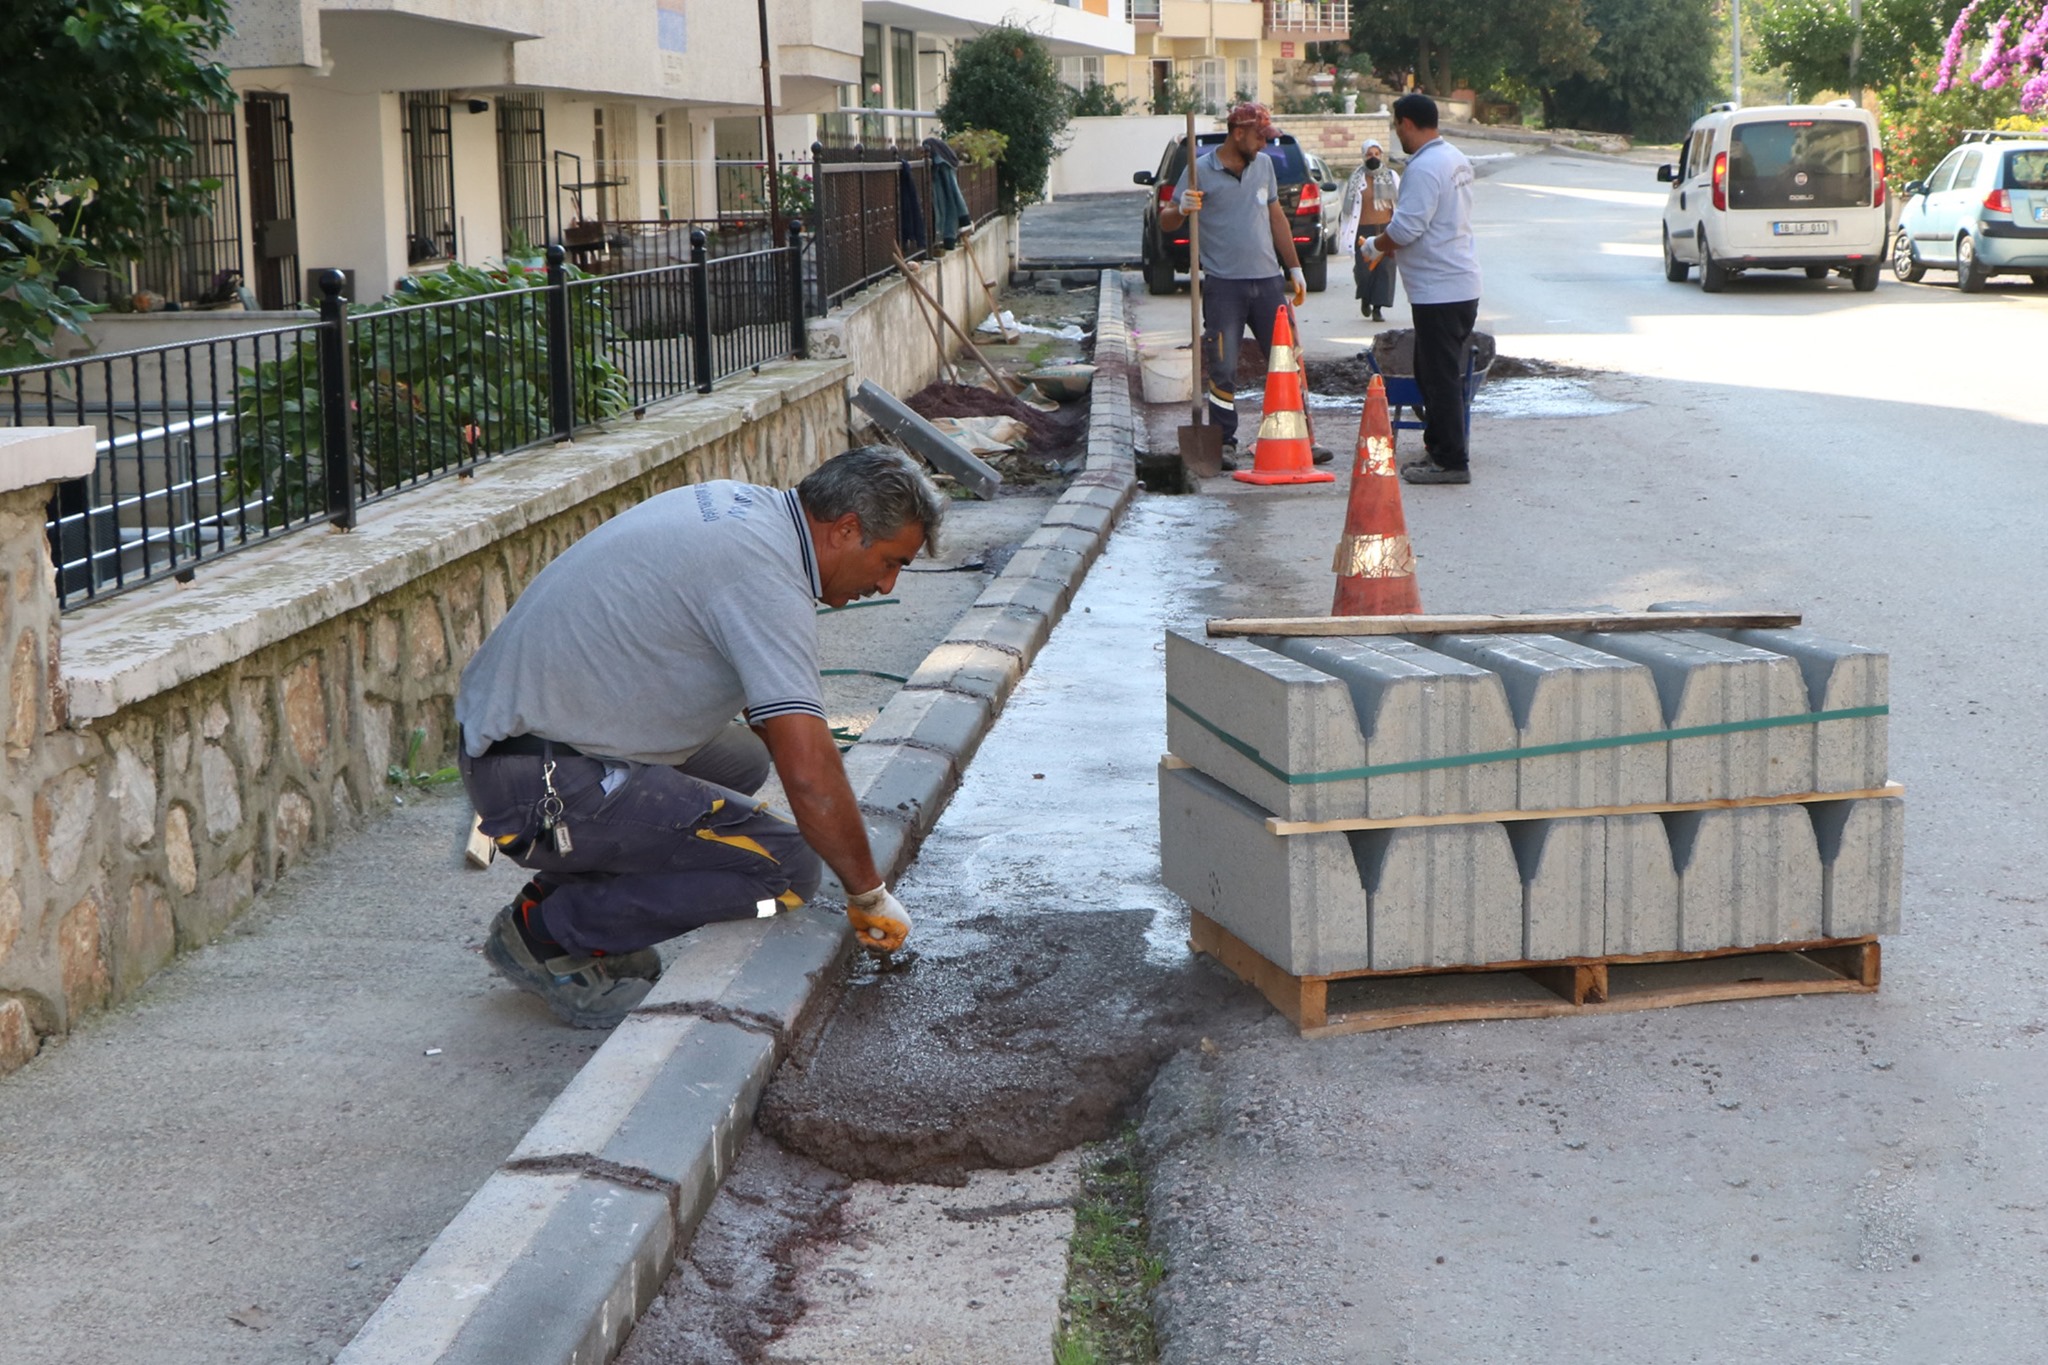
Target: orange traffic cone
(1283, 453)
(1375, 563)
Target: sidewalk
(239, 1165)
(242, 1163)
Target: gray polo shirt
(1237, 227)
(645, 638)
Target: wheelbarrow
(1392, 357)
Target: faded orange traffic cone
(1375, 563)
(1283, 453)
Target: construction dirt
(1055, 436)
(737, 1290)
(1007, 1041)
(1349, 376)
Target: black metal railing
(208, 447)
(860, 220)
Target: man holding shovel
(1245, 238)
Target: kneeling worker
(599, 740)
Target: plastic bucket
(1168, 375)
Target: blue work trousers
(1228, 307)
(665, 851)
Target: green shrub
(1099, 101)
(432, 387)
(1005, 81)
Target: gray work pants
(667, 850)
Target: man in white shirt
(1432, 232)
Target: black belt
(531, 744)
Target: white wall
(1102, 153)
(349, 172)
(479, 216)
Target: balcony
(1309, 21)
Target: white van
(1779, 187)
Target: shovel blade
(1201, 450)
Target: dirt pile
(1000, 1047)
(1055, 436)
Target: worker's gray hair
(883, 487)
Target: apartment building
(908, 45)
(383, 137)
(388, 136)
(1213, 49)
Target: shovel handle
(1195, 277)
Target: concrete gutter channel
(555, 1258)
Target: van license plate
(1800, 229)
(2041, 213)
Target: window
(903, 67)
(1078, 73)
(202, 228)
(1966, 173)
(2026, 171)
(1209, 84)
(1944, 174)
(429, 177)
(1247, 80)
(1799, 164)
(522, 172)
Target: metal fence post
(337, 425)
(561, 346)
(700, 309)
(799, 334)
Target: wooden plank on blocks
(1325, 1006)
(1300, 999)
(1500, 624)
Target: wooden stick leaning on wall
(995, 309)
(947, 369)
(910, 276)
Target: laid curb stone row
(559, 1253)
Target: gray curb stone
(554, 1259)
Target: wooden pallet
(1359, 1002)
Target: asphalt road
(1819, 1179)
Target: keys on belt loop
(551, 821)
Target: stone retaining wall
(883, 330)
(173, 751)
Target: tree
(1477, 43)
(94, 91)
(99, 89)
(2015, 52)
(1813, 41)
(1005, 81)
(1922, 124)
(1657, 59)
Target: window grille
(429, 177)
(523, 172)
(202, 227)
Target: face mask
(1372, 163)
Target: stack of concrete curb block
(555, 1258)
(1248, 720)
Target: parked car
(1302, 199)
(1983, 212)
(1332, 198)
(1779, 187)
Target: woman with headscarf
(1368, 205)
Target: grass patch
(1106, 1318)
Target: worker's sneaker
(1321, 454)
(1428, 471)
(1229, 456)
(585, 992)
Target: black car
(1301, 199)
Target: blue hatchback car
(1983, 212)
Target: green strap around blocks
(1420, 765)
